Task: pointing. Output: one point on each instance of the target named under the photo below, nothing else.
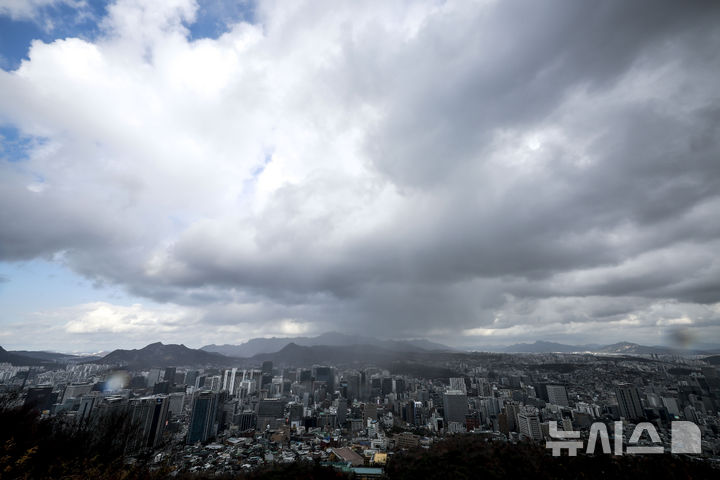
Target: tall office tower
(387, 386)
(671, 405)
(149, 413)
(87, 402)
(364, 387)
(342, 411)
(265, 379)
(161, 388)
(512, 411)
(270, 413)
(458, 384)
(375, 387)
(399, 386)
(455, 406)
(353, 387)
(231, 382)
(154, 376)
(202, 418)
(327, 375)
(529, 425)
(215, 383)
(227, 414)
(177, 401)
(226, 374)
(169, 375)
(246, 421)
(541, 391)
(247, 388)
(557, 395)
(267, 367)
(191, 377)
(629, 402)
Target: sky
(473, 172)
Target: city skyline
(472, 173)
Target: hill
(626, 348)
(54, 357)
(257, 346)
(20, 360)
(713, 360)
(299, 355)
(160, 355)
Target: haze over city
(475, 173)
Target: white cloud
(102, 317)
(406, 167)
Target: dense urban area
(355, 416)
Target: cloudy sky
(474, 172)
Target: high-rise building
(246, 421)
(629, 402)
(342, 411)
(169, 375)
(87, 402)
(557, 395)
(177, 401)
(327, 375)
(387, 386)
(191, 377)
(267, 367)
(150, 414)
(40, 398)
(161, 388)
(202, 419)
(270, 413)
(455, 406)
(529, 425)
(154, 376)
(353, 387)
(512, 411)
(458, 384)
(671, 405)
(76, 390)
(231, 381)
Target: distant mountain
(634, 348)
(548, 347)
(19, 360)
(54, 357)
(713, 360)
(160, 355)
(299, 355)
(334, 339)
(616, 348)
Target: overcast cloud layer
(477, 172)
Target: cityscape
(228, 416)
(359, 239)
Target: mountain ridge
(541, 346)
(260, 345)
(161, 355)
